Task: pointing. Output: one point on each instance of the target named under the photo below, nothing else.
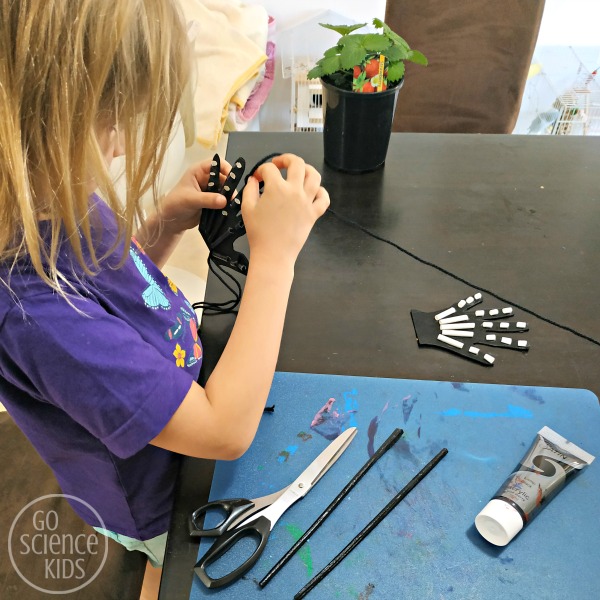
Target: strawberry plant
(337, 65)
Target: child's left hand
(180, 209)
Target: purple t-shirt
(90, 389)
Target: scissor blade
(303, 484)
(323, 462)
(259, 505)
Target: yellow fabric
(225, 59)
(252, 20)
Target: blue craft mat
(428, 547)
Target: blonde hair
(68, 67)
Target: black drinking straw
(394, 437)
(372, 524)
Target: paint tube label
(541, 474)
(526, 489)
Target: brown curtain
(479, 54)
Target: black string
(462, 279)
(228, 306)
(262, 161)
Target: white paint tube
(544, 470)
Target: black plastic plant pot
(357, 127)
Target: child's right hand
(220, 420)
(279, 220)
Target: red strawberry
(367, 87)
(372, 68)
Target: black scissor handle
(259, 528)
(233, 508)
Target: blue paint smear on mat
(427, 548)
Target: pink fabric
(261, 91)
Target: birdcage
(307, 103)
(579, 107)
(569, 106)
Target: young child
(99, 353)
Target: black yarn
(231, 305)
(423, 261)
(228, 306)
(262, 161)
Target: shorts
(154, 548)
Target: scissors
(256, 518)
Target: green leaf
(387, 31)
(351, 56)
(354, 39)
(417, 57)
(315, 72)
(329, 65)
(396, 39)
(376, 42)
(360, 79)
(395, 72)
(343, 29)
(396, 53)
(357, 86)
(392, 35)
(331, 52)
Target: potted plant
(361, 76)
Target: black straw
(372, 524)
(394, 437)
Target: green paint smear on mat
(304, 552)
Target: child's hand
(279, 220)
(180, 208)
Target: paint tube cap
(499, 522)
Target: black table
(516, 215)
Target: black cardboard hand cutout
(220, 228)
(459, 329)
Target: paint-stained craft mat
(428, 547)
